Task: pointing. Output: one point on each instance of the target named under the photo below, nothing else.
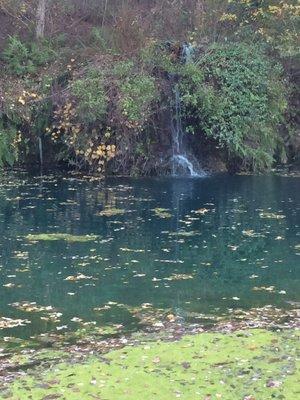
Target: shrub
(235, 94)
(97, 38)
(16, 55)
(91, 96)
(22, 58)
(137, 93)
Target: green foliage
(8, 149)
(24, 58)
(137, 93)
(41, 115)
(16, 56)
(159, 57)
(236, 95)
(123, 68)
(272, 22)
(98, 39)
(91, 96)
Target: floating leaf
(31, 307)
(201, 211)
(79, 277)
(179, 277)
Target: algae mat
(246, 365)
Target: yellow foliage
(228, 17)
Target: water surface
(194, 246)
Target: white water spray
(185, 164)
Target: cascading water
(182, 163)
(187, 53)
(41, 152)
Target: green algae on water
(162, 212)
(252, 364)
(61, 236)
(110, 212)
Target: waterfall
(176, 126)
(182, 163)
(187, 53)
(41, 152)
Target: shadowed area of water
(192, 245)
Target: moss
(61, 236)
(232, 366)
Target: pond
(89, 253)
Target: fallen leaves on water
(6, 323)
(266, 317)
(253, 276)
(179, 277)
(264, 288)
(53, 317)
(21, 255)
(132, 250)
(270, 215)
(201, 211)
(11, 285)
(251, 233)
(79, 277)
(184, 233)
(30, 307)
(103, 308)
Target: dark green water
(246, 239)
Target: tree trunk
(40, 19)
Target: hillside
(149, 87)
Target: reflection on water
(229, 242)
